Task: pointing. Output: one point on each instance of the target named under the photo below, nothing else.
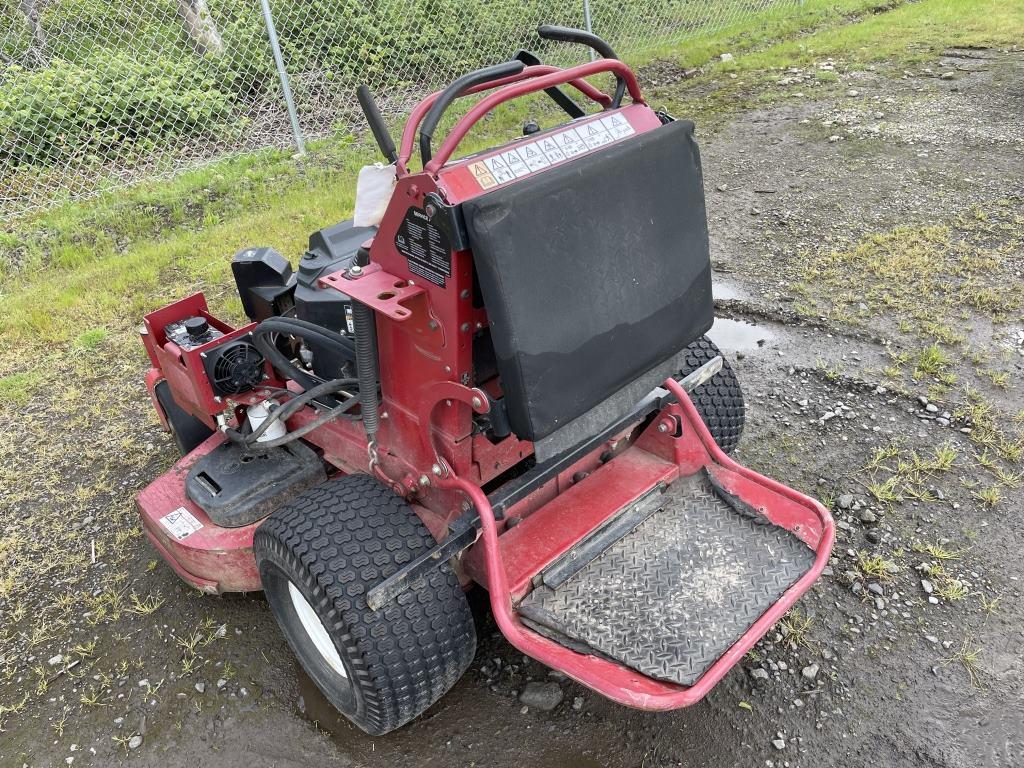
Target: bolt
(464, 293)
(433, 325)
(436, 469)
(448, 370)
(424, 480)
(477, 402)
(383, 414)
(355, 270)
(431, 209)
(464, 327)
(663, 427)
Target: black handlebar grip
(456, 89)
(570, 35)
(589, 39)
(377, 125)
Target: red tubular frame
(610, 679)
(517, 89)
(575, 78)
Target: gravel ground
(908, 652)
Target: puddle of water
(738, 335)
(726, 291)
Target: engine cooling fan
(234, 368)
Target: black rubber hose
(365, 326)
(304, 430)
(297, 401)
(294, 327)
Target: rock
(931, 639)
(542, 696)
(53, 661)
(577, 704)
(779, 743)
(135, 742)
(923, 401)
(834, 138)
(932, 408)
(221, 683)
(200, 687)
(853, 92)
(933, 600)
(867, 516)
(810, 672)
(726, 57)
(759, 673)
(875, 588)
(874, 537)
(846, 501)
(144, 682)
(927, 586)
(947, 75)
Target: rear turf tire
(318, 556)
(719, 401)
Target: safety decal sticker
(550, 150)
(180, 523)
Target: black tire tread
(345, 536)
(720, 400)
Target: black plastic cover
(265, 282)
(235, 490)
(330, 249)
(593, 273)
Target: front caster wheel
(318, 556)
(719, 401)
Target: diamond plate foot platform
(669, 585)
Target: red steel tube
(420, 110)
(517, 89)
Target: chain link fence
(97, 94)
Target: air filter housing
(234, 367)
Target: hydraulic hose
(295, 434)
(294, 327)
(298, 401)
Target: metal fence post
(300, 143)
(588, 26)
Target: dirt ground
(868, 257)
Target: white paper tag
(180, 523)
(373, 193)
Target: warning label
(550, 150)
(180, 523)
(425, 247)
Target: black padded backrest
(593, 273)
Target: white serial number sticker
(555, 148)
(180, 523)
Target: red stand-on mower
(504, 382)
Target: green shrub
(108, 101)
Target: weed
(931, 361)
(876, 567)
(967, 656)
(794, 628)
(989, 496)
(938, 551)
